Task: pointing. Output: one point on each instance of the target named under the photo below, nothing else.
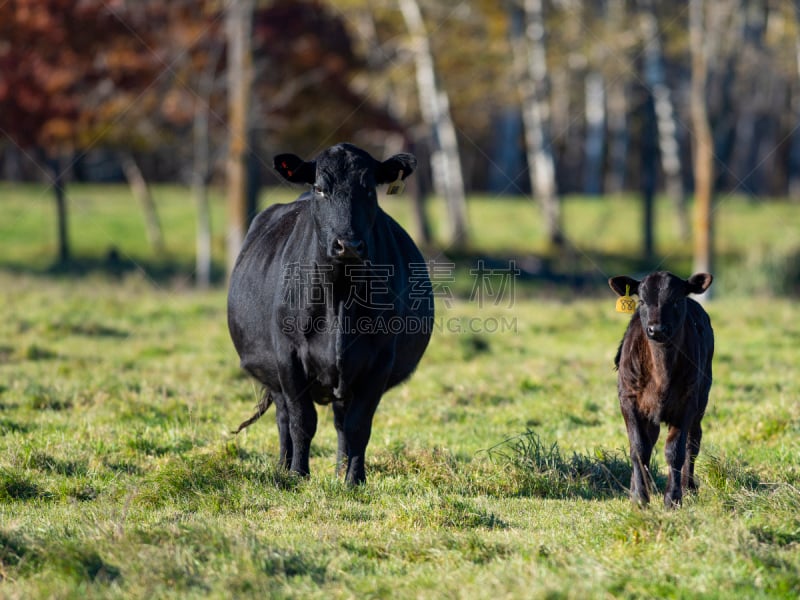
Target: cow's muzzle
(348, 249)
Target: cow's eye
(318, 191)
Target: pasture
(499, 470)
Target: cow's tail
(263, 406)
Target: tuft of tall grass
(542, 470)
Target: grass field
(499, 470)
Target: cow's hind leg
(284, 434)
(302, 417)
(339, 412)
(302, 427)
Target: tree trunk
(649, 155)
(617, 137)
(202, 168)
(238, 20)
(141, 191)
(529, 54)
(506, 164)
(434, 103)
(617, 104)
(704, 143)
(57, 181)
(253, 180)
(794, 157)
(655, 79)
(595, 134)
(200, 172)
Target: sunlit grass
(500, 469)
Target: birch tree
(655, 79)
(141, 191)
(595, 133)
(238, 26)
(448, 179)
(532, 77)
(202, 165)
(617, 99)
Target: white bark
(141, 191)
(448, 179)
(529, 51)
(202, 168)
(595, 133)
(655, 79)
(617, 101)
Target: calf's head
(343, 195)
(662, 300)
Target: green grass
(499, 470)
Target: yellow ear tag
(626, 304)
(397, 186)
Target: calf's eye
(318, 191)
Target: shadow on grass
(569, 270)
(165, 270)
(565, 271)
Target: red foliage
(57, 54)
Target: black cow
(664, 363)
(330, 302)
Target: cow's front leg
(358, 424)
(357, 431)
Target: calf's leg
(642, 436)
(692, 450)
(675, 454)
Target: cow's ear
(624, 285)
(389, 170)
(698, 283)
(295, 169)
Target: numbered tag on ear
(626, 304)
(397, 186)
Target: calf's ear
(389, 170)
(698, 283)
(623, 284)
(295, 169)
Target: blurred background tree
(68, 70)
(94, 90)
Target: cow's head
(662, 295)
(343, 195)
